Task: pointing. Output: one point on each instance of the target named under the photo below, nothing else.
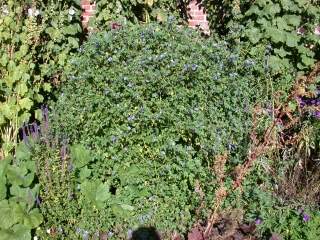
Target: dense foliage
(137, 11)
(156, 126)
(290, 27)
(153, 106)
(35, 39)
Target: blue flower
(248, 63)
(113, 139)
(131, 118)
(194, 67)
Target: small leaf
(127, 207)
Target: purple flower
(63, 152)
(317, 30)
(316, 114)
(38, 201)
(258, 221)
(305, 217)
(45, 116)
(301, 31)
(35, 131)
(24, 134)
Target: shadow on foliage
(145, 233)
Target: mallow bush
(143, 114)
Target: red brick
(86, 14)
(198, 17)
(85, 2)
(86, 7)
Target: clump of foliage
(137, 11)
(19, 192)
(145, 110)
(289, 27)
(35, 39)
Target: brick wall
(197, 14)
(88, 11)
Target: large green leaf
(292, 40)
(16, 175)
(18, 232)
(254, 35)
(103, 193)
(276, 35)
(7, 216)
(25, 195)
(96, 192)
(293, 20)
(33, 219)
(80, 155)
(23, 152)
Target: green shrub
(146, 109)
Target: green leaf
(18, 232)
(25, 103)
(84, 173)
(80, 156)
(47, 87)
(16, 175)
(22, 88)
(254, 35)
(281, 52)
(307, 61)
(33, 219)
(292, 106)
(127, 207)
(3, 187)
(293, 20)
(23, 152)
(7, 217)
(292, 40)
(276, 35)
(38, 114)
(103, 193)
(254, 9)
(73, 42)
